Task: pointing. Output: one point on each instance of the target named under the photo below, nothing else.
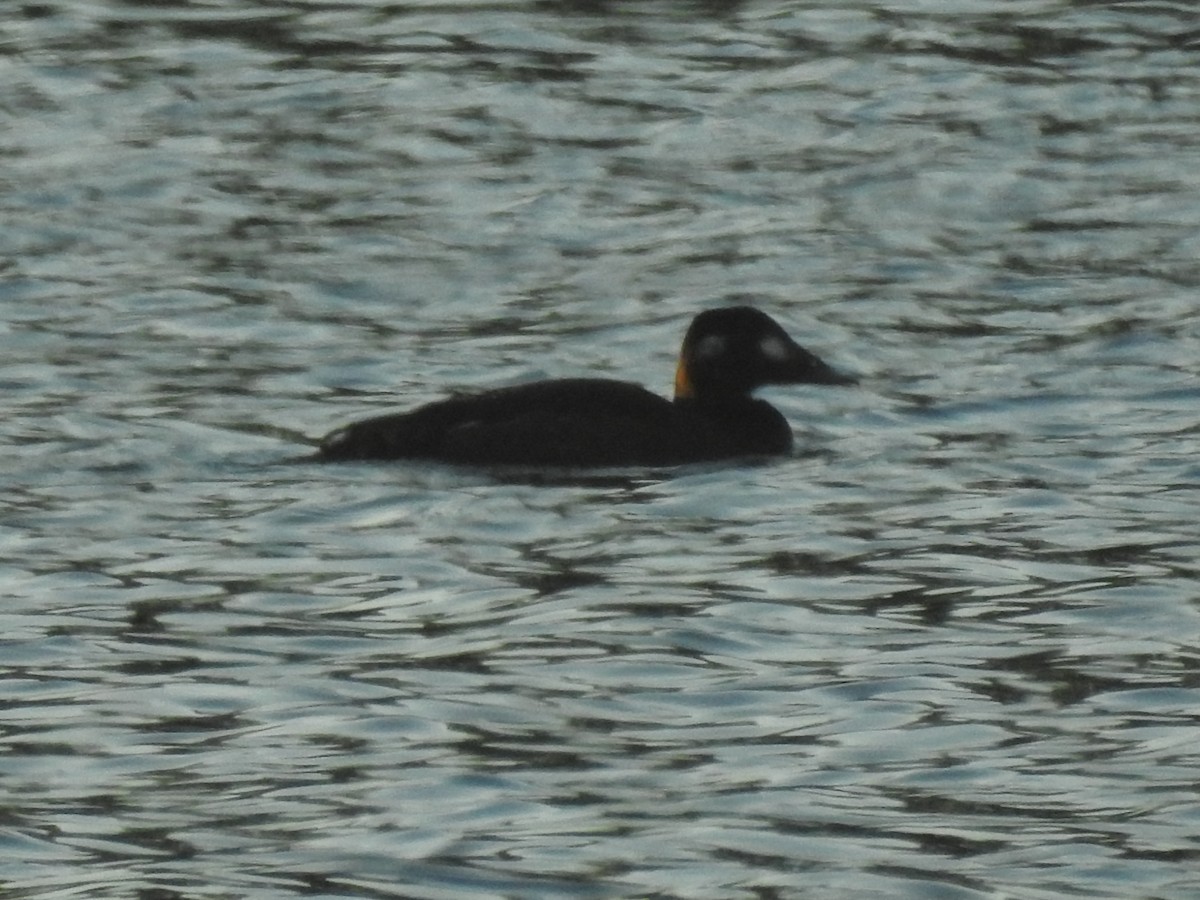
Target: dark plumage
(577, 422)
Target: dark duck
(596, 422)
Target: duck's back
(564, 422)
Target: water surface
(946, 649)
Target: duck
(727, 353)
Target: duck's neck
(743, 420)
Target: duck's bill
(805, 367)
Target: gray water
(950, 648)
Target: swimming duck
(595, 422)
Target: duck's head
(731, 351)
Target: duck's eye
(710, 346)
(773, 348)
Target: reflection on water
(948, 648)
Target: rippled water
(948, 649)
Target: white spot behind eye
(774, 349)
(710, 346)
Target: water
(948, 649)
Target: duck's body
(566, 422)
(595, 422)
